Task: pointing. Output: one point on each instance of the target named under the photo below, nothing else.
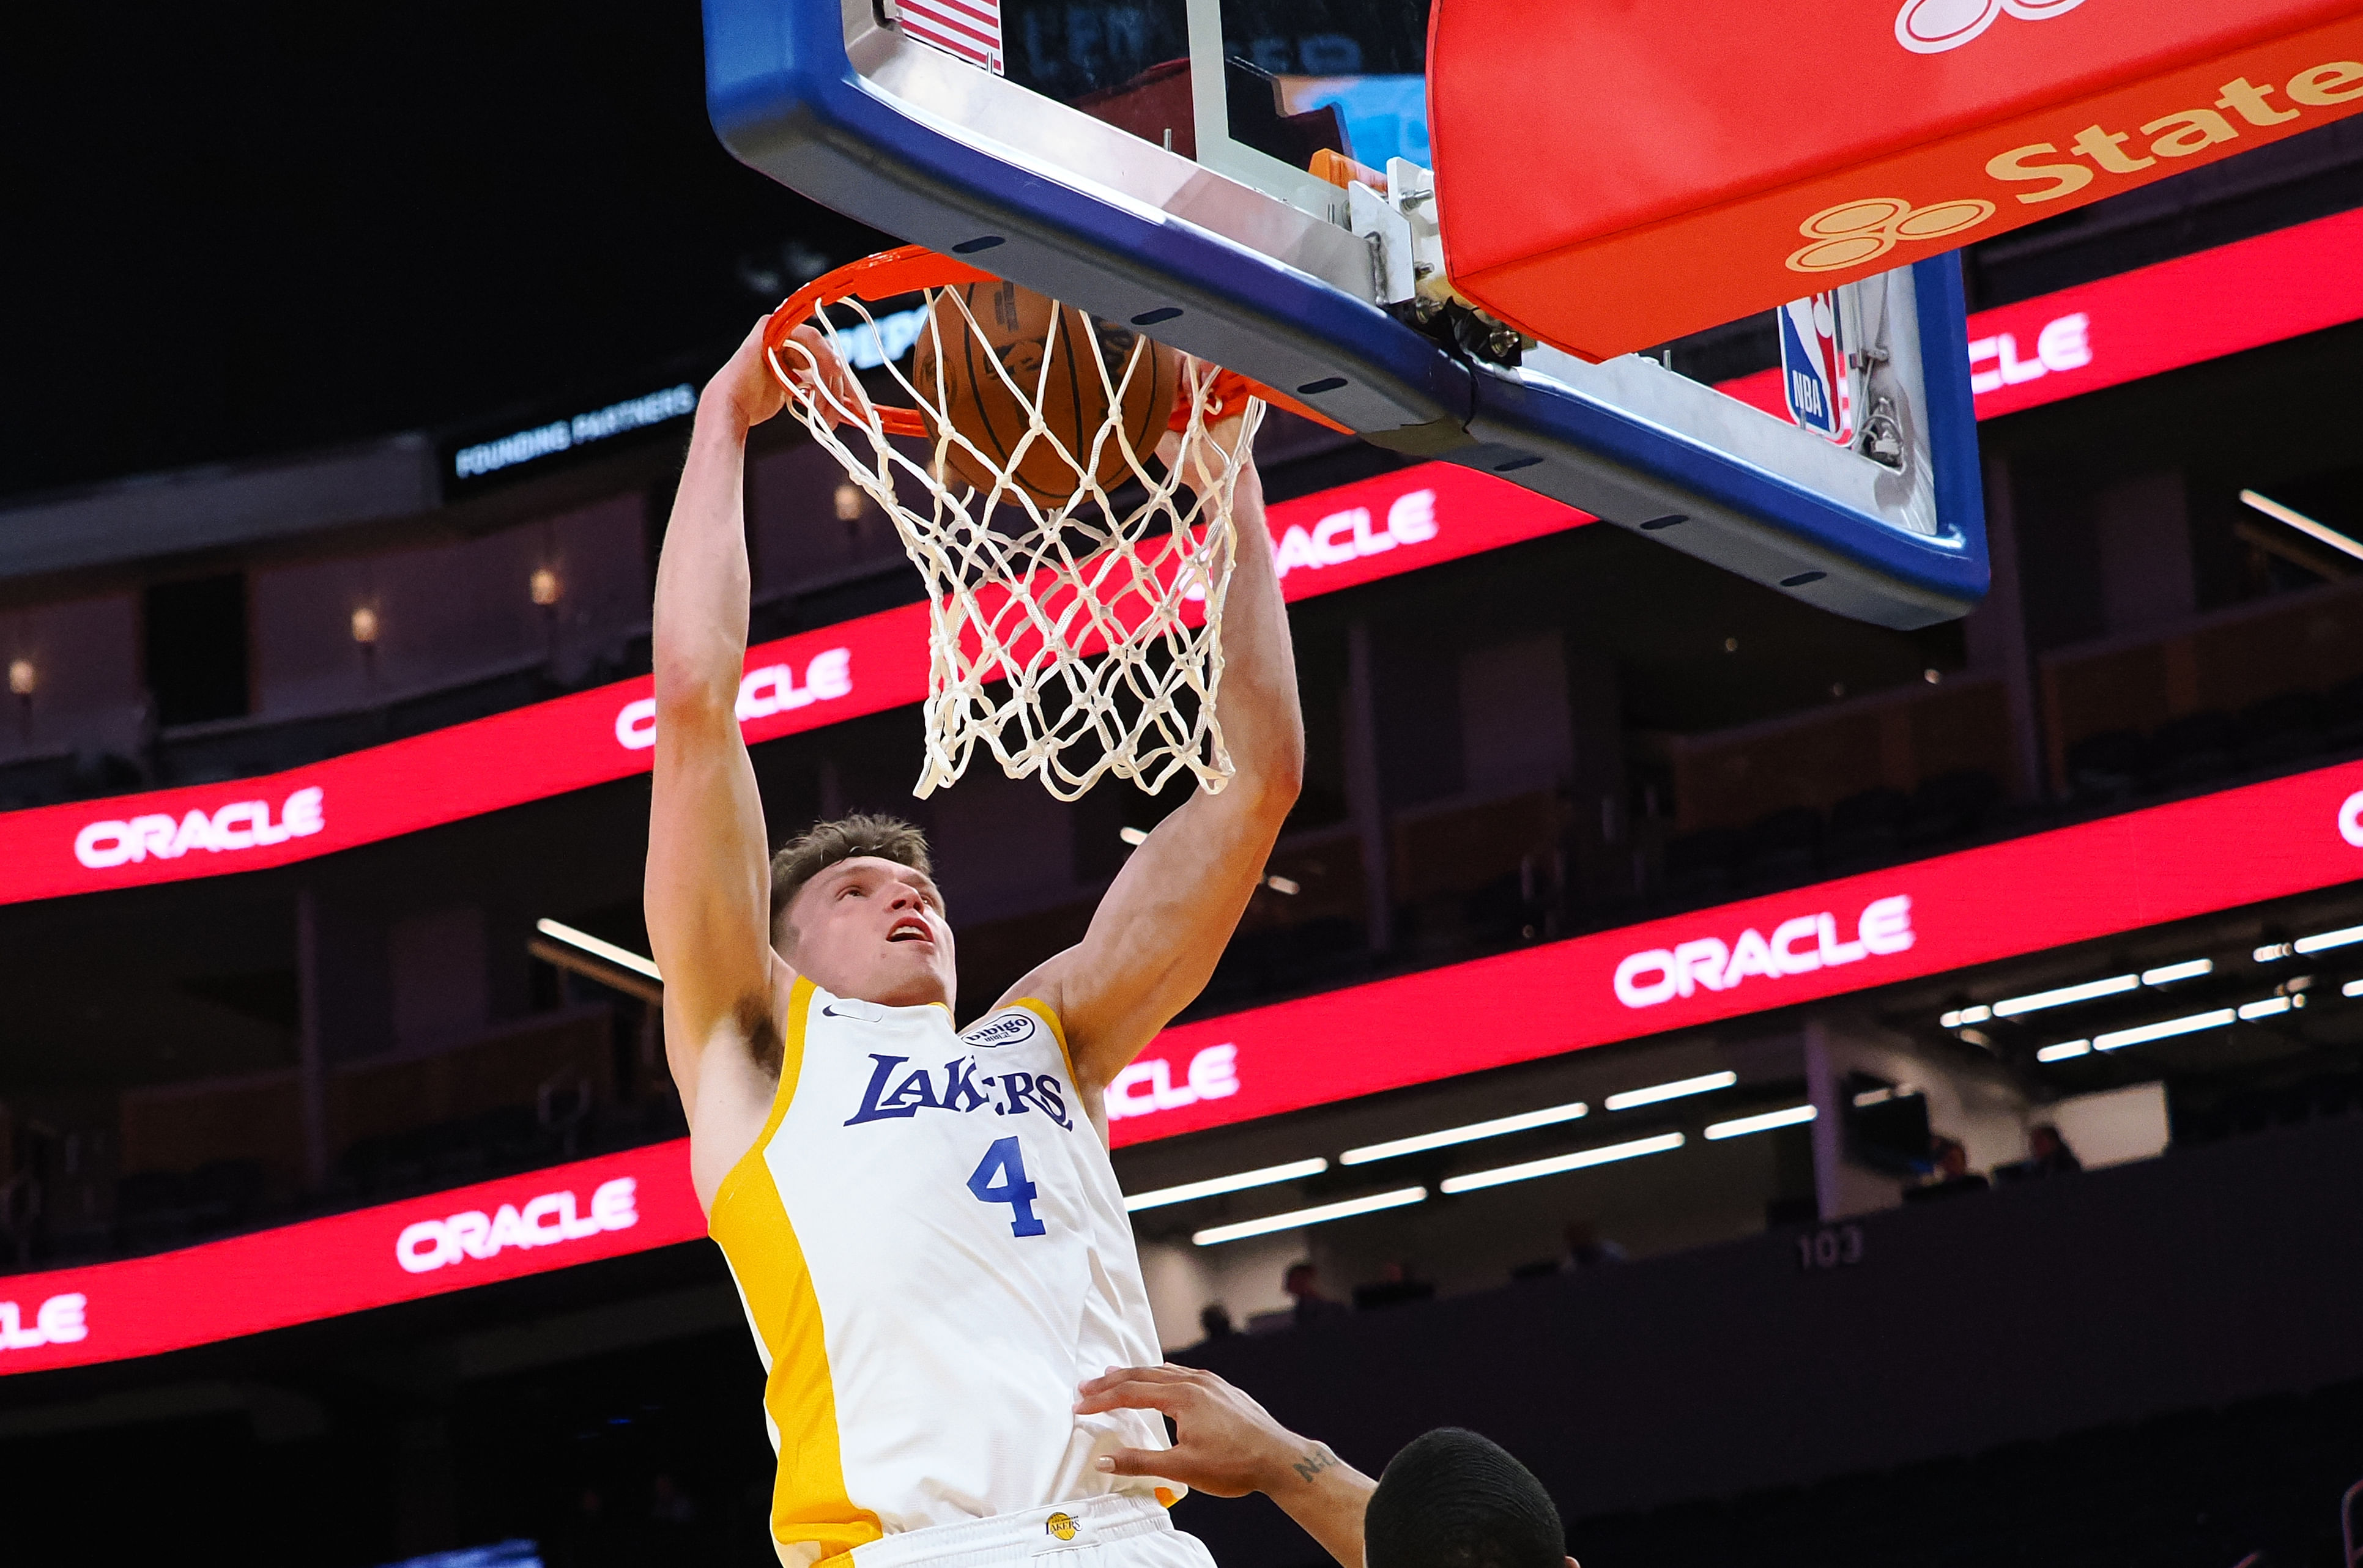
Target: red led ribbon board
(1356, 534)
(2144, 868)
(1737, 155)
(2169, 863)
(350, 1262)
(2099, 335)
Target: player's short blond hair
(823, 844)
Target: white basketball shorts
(1115, 1530)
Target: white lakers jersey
(933, 1253)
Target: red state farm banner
(526, 1224)
(2183, 311)
(528, 754)
(1400, 522)
(1738, 155)
(2266, 841)
(2199, 307)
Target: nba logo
(1813, 367)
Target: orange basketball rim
(914, 268)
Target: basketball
(1013, 326)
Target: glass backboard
(1246, 180)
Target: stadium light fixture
(2116, 984)
(1582, 1159)
(1705, 1083)
(364, 625)
(2064, 1050)
(1500, 1127)
(1739, 1127)
(1297, 1218)
(2166, 975)
(22, 677)
(2323, 939)
(2191, 1023)
(2321, 532)
(1159, 1198)
(2265, 1008)
(1965, 1015)
(1133, 835)
(2273, 952)
(2351, 988)
(622, 957)
(543, 587)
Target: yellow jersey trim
(1050, 1017)
(792, 1062)
(809, 1503)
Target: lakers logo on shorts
(1060, 1525)
(1852, 233)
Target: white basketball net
(1072, 641)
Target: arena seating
(2207, 747)
(2147, 1366)
(2197, 1489)
(2201, 1118)
(1796, 844)
(2108, 769)
(156, 1209)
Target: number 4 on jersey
(1000, 1177)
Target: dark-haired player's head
(1452, 1500)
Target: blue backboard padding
(784, 99)
(1953, 416)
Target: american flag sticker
(968, 29)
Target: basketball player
(1449, 1499)
(923, 1224)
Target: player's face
(871, 929)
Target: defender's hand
(1225, 1443)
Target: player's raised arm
(708, 885)
(1154, 941)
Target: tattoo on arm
(1315, 1462)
